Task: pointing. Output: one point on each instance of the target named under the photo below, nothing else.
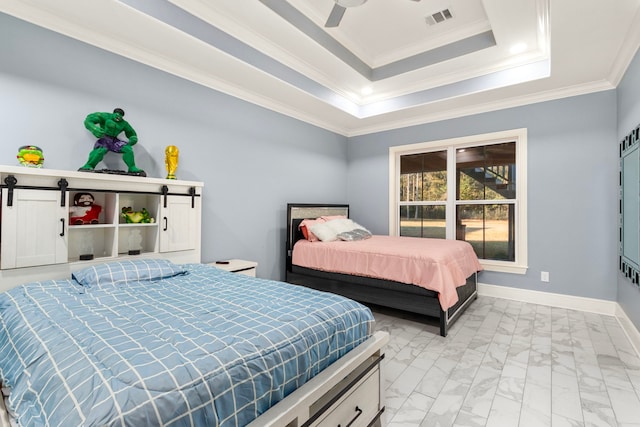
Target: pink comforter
(436, 264)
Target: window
(471, 188)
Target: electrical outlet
(544, 276)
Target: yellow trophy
(171, 161)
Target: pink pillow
(306, 224)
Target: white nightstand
(238, 266)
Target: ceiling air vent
(438, 17)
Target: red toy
(84, 211)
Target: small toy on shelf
(171, 160)
(30, 156)
(106, 127)
(136, 217)
(84, 210)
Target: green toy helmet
(30, 156)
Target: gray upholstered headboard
(297, 212)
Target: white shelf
(89, 226)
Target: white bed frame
(332, 397)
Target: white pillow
(324, 232)
(328, 231)
(341, 225)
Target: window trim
(519, 266)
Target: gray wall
(572, 188)
(628, 118)
(252, 160)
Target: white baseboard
(591, 305)
(629, 328)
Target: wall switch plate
(544, 276)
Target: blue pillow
(125, 271)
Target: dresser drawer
(358, 408)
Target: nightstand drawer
(239, 266)
(358, 408)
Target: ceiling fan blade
(335, 16)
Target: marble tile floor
(508, 363)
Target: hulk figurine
(106, 127)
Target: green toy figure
(136, 217)
(106, 127)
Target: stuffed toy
(84, 210)
(136, 217)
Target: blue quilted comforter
(204, 347)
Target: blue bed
(153, 343)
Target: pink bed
(381, 271)
(435, 264)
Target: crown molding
(334, 117)
(626, 53)
(485, 107)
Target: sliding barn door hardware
(11, 182)
(165, 192)
(63, 184)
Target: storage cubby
(107, 201)
(91, 241)
(133, 237)
(137, 202)
(138, 238)
(96, 241)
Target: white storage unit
(37, 241)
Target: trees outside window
(471, 189)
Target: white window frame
(519, 266)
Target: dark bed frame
(386, 293)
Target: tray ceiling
(387, 64)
